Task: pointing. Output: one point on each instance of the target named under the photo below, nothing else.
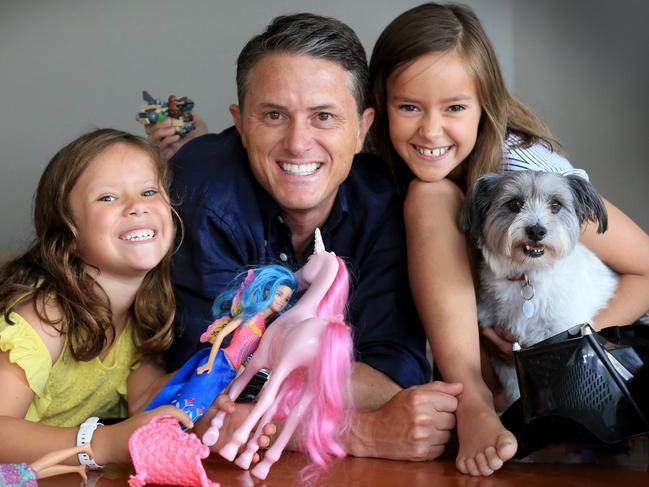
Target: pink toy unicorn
(309, 351)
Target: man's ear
(235, 111)
(365, 123)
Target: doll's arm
(218, 340)
(624, 247)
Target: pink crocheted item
(164, 454)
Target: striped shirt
(536, 158)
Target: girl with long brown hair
(88, 308)
(443, 118)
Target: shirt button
(280, 219)
(283, 257)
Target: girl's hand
(110, 443)
(500, 343)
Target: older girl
(443, 118)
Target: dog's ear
(588, 203)
(476, 203)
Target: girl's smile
(435, 153)
(122, 216)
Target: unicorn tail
(330, 383)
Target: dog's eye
(515, 205)
(555, 206)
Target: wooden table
(556, 466)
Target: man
(255, 195)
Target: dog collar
(519, 277)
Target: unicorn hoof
(211, 437)
(261, 470)
(229, 451)
(245, 459)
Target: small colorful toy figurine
(264, 293)
(164, 454)
(310, 354)
(24, 475)
(177, 108)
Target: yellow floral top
(68, 391)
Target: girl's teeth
(139, 235)
(300, 169)
(438, 152)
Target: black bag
(581, 385)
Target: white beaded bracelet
(84, 437)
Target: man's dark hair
(312, 35)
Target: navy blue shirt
(231, 222)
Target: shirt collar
(271, 210)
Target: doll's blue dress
(193, 392)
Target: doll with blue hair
(244, 310)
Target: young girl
(85, 311)
(442, 109)
(264, 293)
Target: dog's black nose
(536, 233)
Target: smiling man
(254, 194)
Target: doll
(24, 475)
(264, 293)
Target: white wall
(584, 67)
(67, 66)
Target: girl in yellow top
(87, 309)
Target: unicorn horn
(318, 246)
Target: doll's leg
(63, 469)
(275, 451)
(56, 457)
(245, 459)
(265, 401)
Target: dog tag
(528, 308)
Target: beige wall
(68, 66)
(584, 66)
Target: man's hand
(165, 137)
(414, 425)
(500, 343)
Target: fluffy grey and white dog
(536, 278)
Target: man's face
(301, 128)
